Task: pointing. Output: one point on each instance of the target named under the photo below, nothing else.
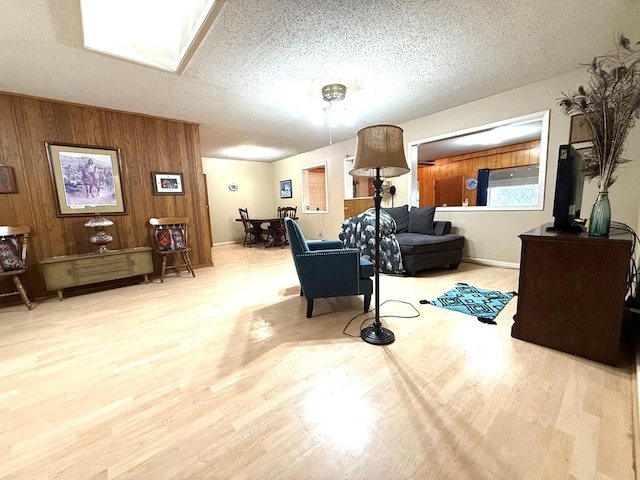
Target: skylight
(160, 33)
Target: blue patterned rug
(481, 303)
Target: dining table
(267, 240)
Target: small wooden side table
(88, 268)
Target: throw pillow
(170, 239)
(177, 234)
(401, 216)
(421, 220)
(164, 240)
(10, 255)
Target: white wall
(493, 235)
(490, 235)
(255, 192)
(318, 225)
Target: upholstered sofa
(425, 243)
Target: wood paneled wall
(355, 206)
(146, 144)
(467, 165)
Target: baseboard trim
(227, 243)
(491, 263)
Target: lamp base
(377, 336)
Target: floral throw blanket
(360, 232)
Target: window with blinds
(517, 186)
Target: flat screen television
(567, 198)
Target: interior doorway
(448, 192)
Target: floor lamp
(379, 153)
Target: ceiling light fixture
(334, 93)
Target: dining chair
(171, 237)
(277, 229)
(13, 258)
(251, 233)
(290, 212)
(276, 233)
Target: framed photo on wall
(579, 132)
(167, 183)
(285, 189)
(584, 149)
(86, 179)
(7, 179)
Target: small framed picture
(585, 150)
(167, 183)
(7, 179)
(285, 189)
(580, 131)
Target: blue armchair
(325, 269)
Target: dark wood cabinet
(572, 290)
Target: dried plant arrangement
(610, 104)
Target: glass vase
(600, 220)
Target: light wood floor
(222, 376)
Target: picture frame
(286, 190)
(579, 131)
(584, 148)
(87, 180)
(7, 179)
(167, 183)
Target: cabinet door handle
(133, 262)
(69, 272)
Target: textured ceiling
(257, 76)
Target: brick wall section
(317, 189)
(363, 187)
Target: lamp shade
(379, 146)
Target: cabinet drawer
(121, 265)
(102, 272)
(100, 262)
(101, 276)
